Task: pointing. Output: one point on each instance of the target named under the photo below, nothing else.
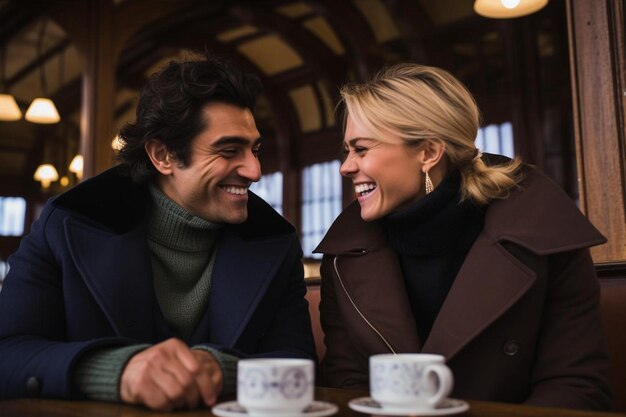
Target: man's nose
(250, 168)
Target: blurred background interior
(542, 80)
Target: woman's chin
(369, 215)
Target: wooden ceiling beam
(38, 62)
(315, 53)
(127, 24)
(354, 31)
(295, 77)
(14, 17)
(131, 71)
(416, 29)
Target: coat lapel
(116, 269)
(381, 298)
(372, 276)
(242, 272)
(490, 281)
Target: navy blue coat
(82, 279)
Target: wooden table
(55, 408)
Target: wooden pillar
(98, 88)
(522, 66)
(100, 29)
(89, 26)
(597, 55)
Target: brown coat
(521, 322)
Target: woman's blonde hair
(417, 102)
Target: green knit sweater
(182, 252)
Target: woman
(475, 257)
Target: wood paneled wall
(598, 65)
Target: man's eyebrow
(236, 140)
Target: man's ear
(432, 151)
(160, 156)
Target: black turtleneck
(432, 239)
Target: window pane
(321, 203)
(480, 140)
(270, 189)
(506, 133)
(492, 139)
(497, 139)
(12, 213)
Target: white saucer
(316, 409)
(447, 407)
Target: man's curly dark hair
(170, 109)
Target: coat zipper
(345, 290)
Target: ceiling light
(46, 173)
(76, 166)
(505, 9)
(42, 110)
(9, 110)
(117, 144)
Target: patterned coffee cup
(268, 387)
(409, 381)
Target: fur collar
(114, 203)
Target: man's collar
(115, 203)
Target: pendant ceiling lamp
(42, 110)
(76, 166)
(46, 173)
(117, 144)
(9, 110)
(506, 9)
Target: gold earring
(429, 183)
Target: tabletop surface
(56, 408)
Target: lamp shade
(76, 166)
(116, 143)
(506, 9)
(42, 110)
(46, 173)
(9, 110)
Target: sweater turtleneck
(182, 251)
(432, 238)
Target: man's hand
(169, 375)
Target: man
(146, 283)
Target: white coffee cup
(271, 387)
(409, 381)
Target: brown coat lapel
(372, 276)
(488, 284)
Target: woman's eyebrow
(353, 142)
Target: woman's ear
(160, 156)
(432, 152)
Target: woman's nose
(348, 167)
